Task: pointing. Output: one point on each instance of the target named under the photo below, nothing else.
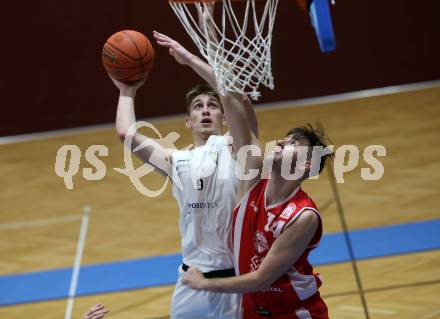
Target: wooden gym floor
(40, 218)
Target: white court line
(382, 311)
(40, 222)
(264, 106)
(77, 263)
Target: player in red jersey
(276, 224)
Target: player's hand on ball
(193, 278)
(96, 312)
(124, 87)
(182, 55)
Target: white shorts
(188, 303)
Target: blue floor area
(162, 270)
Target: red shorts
(311, 308)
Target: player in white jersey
(203, 185)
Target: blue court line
(162, 270)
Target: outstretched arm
(153, 153)
(184, 57)
(206, 72)
(282, 255)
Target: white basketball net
(241, 57)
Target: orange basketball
(128, 56)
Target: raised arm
(152, 153)
(206, 21)
(184, 57)
(285, 251)
(206, 72)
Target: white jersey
(206, 196)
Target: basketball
(128, 56)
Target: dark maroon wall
(53, 78)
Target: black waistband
(215, 273)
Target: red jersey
(256, 227)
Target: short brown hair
(197, 90)
(314, 137)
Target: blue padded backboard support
(321, 18)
